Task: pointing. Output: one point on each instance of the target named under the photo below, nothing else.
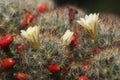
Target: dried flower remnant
(72, 13)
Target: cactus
(44, 54)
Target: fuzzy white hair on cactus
(90, 23)
(67, 37)
(32, 35)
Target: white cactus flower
(90, 23)
(32, 36)
(67, 37)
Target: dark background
(109, 6)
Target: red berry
(42, 8)
(20, 48)
(86, 65)
(28, 19)
(75, 42)
(86, 68)
(83, 78)
(22, 76)
(7, 64)
(96, 50)
(54, 68)
(6, 41)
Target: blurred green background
(109, 6)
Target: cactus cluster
(47, 42)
